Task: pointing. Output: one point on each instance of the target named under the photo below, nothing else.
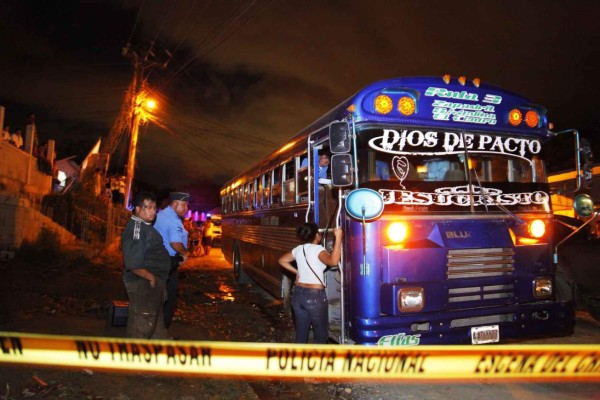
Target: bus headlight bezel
(411, 299)
(542, 287)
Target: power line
(136, 21)
(216, 34)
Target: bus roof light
(446, 78)
(407, 105)
(383, 104)
(462, 80)
(515, 117)
(532, 118)
(476, 82)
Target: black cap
(179, 196)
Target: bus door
(340, 169)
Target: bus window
(229, 205)
(302, 180)
(387, 167)
(259, 192)
(539, 170)
(289, 186)
(240, 201)
(248, 200)
(304, 161)
(276, 187)
(382, 171)
(253, 201)
(266, 200)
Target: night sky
(244, 76)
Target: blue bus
(441, 190)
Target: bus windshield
(433, 165)
(450, 168)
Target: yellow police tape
(278, 360)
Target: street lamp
(150, 104)
(141, 113)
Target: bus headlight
(542, 287)
(397, 232)
(411, 299)
(537, 228)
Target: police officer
(175, 238)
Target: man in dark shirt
(147, 265)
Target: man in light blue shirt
(175, 238)
(323, 166)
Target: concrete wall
(22, 187)
(20, 221)
(15, 167)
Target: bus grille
(481, 263)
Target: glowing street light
(150, 104)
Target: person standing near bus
(207, 235)
(147, 267)
(309, 300)
(175, 237)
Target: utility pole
(137, 98)
(135, 127)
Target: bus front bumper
(516, 321)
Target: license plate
(485, 334)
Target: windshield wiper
(482, 190)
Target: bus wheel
(286, 293)
(565, 287)
(593, 307)
(238, 270)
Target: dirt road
(71, 299)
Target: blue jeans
(310, 308)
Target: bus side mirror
(339, 137)
(583, 205)
(588, 158)
(586, 151)
(364, 204)
(341, 170)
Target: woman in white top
(309, 300)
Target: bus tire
(238, 269)
(565, 287)
(593, 307)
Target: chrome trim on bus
(442, 217)
(486, 320)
